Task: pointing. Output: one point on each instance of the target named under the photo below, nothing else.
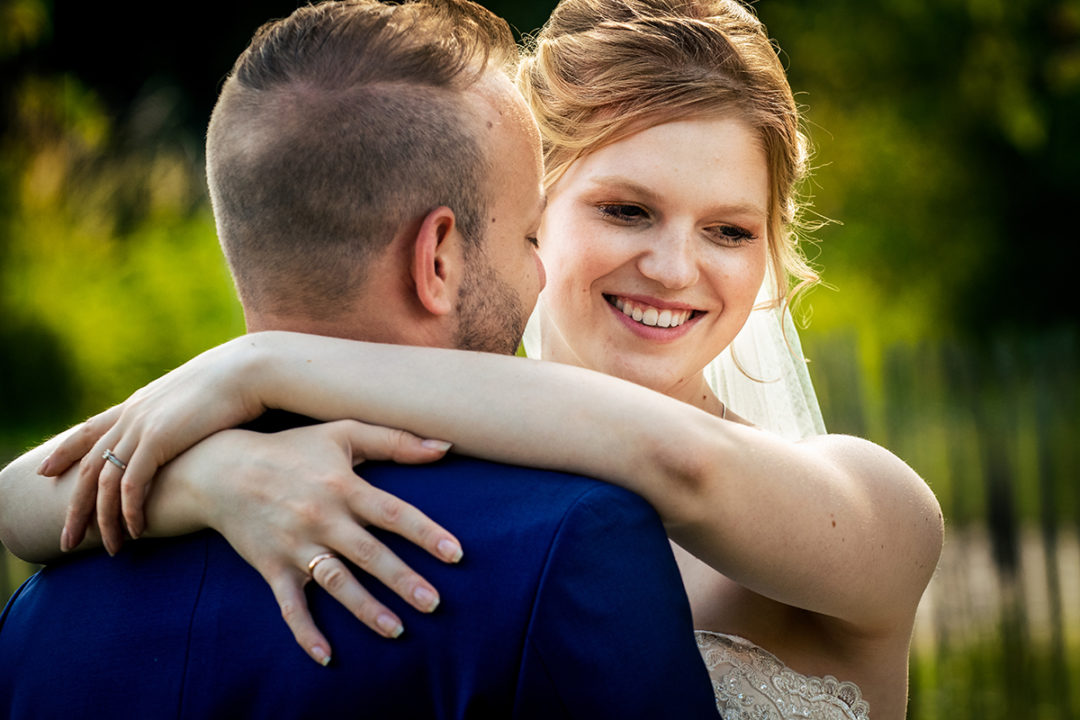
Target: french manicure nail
(450, 550)
(320, 656)
(426, 599)
(389, 625)
(437, 445)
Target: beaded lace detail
(752, 684)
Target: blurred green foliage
(946, 141)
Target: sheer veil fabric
(772, 389)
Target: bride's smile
(654, 313)
(655, 247)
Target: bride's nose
(670, 260)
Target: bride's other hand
(153, 426)
(283, 499)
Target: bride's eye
(623, 213)
(731, 235)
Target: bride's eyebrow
(617, 182)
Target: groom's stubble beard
(490, 315)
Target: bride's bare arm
(32, 508)
(836, 525)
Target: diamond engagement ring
(108, 455)
(318, 559)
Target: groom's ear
(437, 261)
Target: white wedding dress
(753, 684)
(762, 376)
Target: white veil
(780, 397)
(778, 394)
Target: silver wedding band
(318, 559)
(108, 455)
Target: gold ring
(318, 559)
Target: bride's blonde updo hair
(601, 70)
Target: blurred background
(947, 137)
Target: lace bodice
(753, 684)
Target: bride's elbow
(929, 537)
(908, 511)
(923, 529)
(899, 511)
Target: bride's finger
(80, 509)
(375, 442)
(108, 495)
(365, 551)
(83, 500)
(134, 486)
(288, 589)
(78, 443)
(334, 577)
(384, 510)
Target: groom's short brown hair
(338, 125)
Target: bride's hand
(283, 499)
(153, 426)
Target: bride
(672, 150)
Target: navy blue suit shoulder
(566, 604)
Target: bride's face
(655, 247)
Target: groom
(375, 176)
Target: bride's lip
(654, 333)
(655, 302)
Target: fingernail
(450, 550)
(426, 599)
(320, 655)
(42, 467)
(390, 625)
(65, 540)
(133, 531)
(441, 445)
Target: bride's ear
(437, 261)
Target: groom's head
(375, 175)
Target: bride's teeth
(651, 316)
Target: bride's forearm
(506, 409)
(32, 508)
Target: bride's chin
(650, 373)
